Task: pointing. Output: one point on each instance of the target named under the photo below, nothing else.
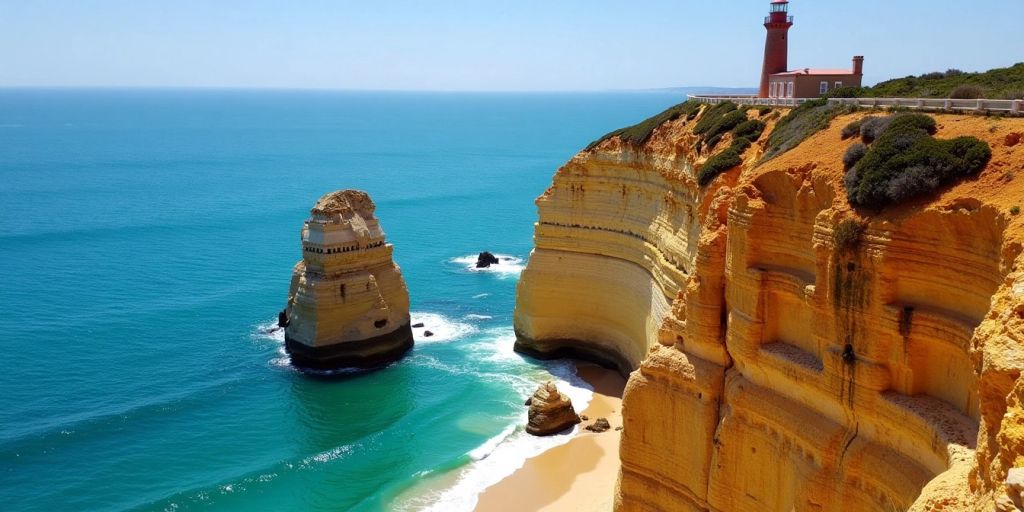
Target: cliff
(786, 351)
(347, 304)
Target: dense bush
(751, 129)
(905, 161)
(640, 133)
(854, 155)
(873, 126)
(852, 129)
(1014, 94)
(713, 141)
(763, 110)
(802, 122)
(713, 124)
(718, 164)
(846, 92)
(967, 92)
(994, 83)
(741, 144)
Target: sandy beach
(579, 475)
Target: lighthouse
(776, 44)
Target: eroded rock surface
(347, 304)
(550, 411)
(776, 363)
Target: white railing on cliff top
(1009, 106)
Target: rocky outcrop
(486, 259)
(347, 304)
(550, 411)
(786, 352)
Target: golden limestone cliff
(347, 304)
(786, 351)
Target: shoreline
(579, 475)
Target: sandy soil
(579, 475)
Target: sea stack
(348, 306)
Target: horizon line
(342, 89)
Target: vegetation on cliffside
(904, 161)
(999, 83)
(802, 122)
(640, 133)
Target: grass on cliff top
(905, 162)
(640, 133)
(999, 83)
(802, 122)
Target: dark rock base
(363, 354)
(547, 350)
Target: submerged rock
(417, 325)
(486, 259)
(348, 305)
(427, 334)
(550, 412)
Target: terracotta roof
(815, 71)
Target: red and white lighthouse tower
(776, 46)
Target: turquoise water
(146, 241)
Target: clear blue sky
(482, 44)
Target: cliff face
(347, 304)
(790, 353)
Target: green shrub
(1015, 210)
(763, 110)
(718, 164)
(640, 133)
(802, 122)
(751, 129)
(716, 124)
(846, 92)
(851, 129)
(995, 83)
(713, 141)
(847, 235)
(905, 161)
(967, 92)
(741, 144)
(854, 155)
(713, 115)
(873, 126)
(1013, 94)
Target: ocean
(146, 243)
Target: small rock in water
(618, 428)
(584, 417)
(486, 259)
(417, 326)
(550, 412)
(427, 334)
(600, 425)
(529, 402)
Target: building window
(789, 90)
(838, 85)
(824, 88)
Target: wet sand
(577, 476)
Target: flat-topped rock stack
(348, 305)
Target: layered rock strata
(348, 305)
(778, 363)
(550, 411)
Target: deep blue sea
(146, 242)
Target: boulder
(282, 318)
(427, 334)
(550, 412)
(486, 259)
(599, 425)
(417, 325)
